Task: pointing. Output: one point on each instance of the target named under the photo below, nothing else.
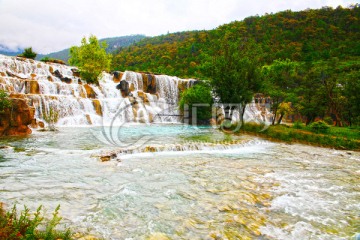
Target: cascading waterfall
(51, 87)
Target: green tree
(351, 87)
(234, 78)
(91, 58)
(198, 96)
(280, 80)
(4, 101)
(312, 97)
(332, 89)
(28, 53)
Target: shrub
(23, 226)
(198, 94)
(28, 53)
(298, 125)
(91, 58)
(45, 59)
(4, 101)
(319, 127)
(52, 60)
(329, 121)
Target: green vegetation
(279, 81)
(52, 60)
(28, 53)
(319, 127)
(321, 89)
(199, 94)
(117, 43)
(91, 58)
(51, 117)
(4, 101)
(309, 35)
(308, 62)
(334, 137)
(234, 78)
(25, 226)
(113, 45)
(176, 54)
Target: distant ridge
(9, 52)
(114, 43)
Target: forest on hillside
(308, 62)
(313, 34)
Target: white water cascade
(55, 88)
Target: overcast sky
(50, 26)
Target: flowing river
(253, 189)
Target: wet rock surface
(15, 121)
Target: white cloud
(53, 25)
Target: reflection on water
(257, 191)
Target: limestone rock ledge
(15, 120)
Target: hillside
(308, 35)
(9, 52)
(113, 44)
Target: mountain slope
(113, 44)
(308, 35)
(9, 52)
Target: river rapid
(253, 189)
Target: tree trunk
(281, 117)
(242, 112)
(338, 120)
(275, 114)
(274, 119)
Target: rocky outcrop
(62, 78)
(149, 83)
(124, 87)
(15, 121)
(90, 91)
(117, 76)
(97, 106)
(32, 86)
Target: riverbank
(336, 137)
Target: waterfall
(51, 87)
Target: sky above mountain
(50, 26)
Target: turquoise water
(257, 190)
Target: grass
(351, 133)
(334, 137)
(14, 226)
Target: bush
(198, 94)
(91, 58)
(45, 59)
(52, 60)
(23, 226)
(319, 127)
(329, 121)
(28, 53)
(298, 125)
(4, 101)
